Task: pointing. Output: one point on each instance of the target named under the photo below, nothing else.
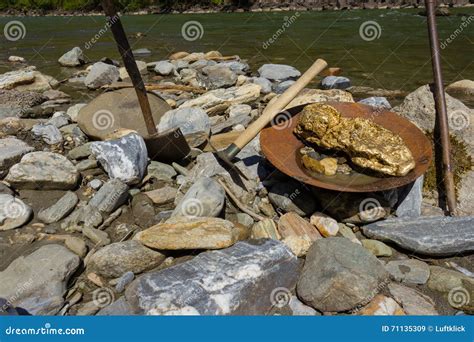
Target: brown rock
(326, 225)
(163, 195)
(382, 306)
(298, 244)
(178, 55)
(412, 301)
(265, 229)
(291, 224)
(190, 233)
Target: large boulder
(37, 282)
(45, 171)
(245, 279)
(339, 275)
(72, 58)
(101, 74)
(278, 72)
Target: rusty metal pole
(130, 64)
(440, 104)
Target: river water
(394, 55)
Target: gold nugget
(368, 144)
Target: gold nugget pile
(366, 143)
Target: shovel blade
(168, 146)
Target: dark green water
(398, 59)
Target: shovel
(169, 145)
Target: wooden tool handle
(277, 106)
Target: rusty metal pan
(281, 147)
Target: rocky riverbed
(89, 225)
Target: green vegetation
(87, 5)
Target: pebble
(265, 229)
(95, 184)
(110, 196)
(205, 198)
(101, 74)
(48, 132)
(413, 302)
(291, 224)
(326, 225)
(179, 233)
(59, 210)
(382, 306)
(278, 72)
(335, 82)
(85, 216)
(72, 58)
(377, 248)
(77, 245)
(114, 260)
(123, 281)
(163, 195)
(98, 237)
(410, 271)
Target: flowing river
(377, 48)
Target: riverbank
(95, 219)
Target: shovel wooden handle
(275, 107)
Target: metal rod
(440, 105)
(130, 64)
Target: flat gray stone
(410, 199)
(205, 198)
(43, 170)
(125, 159)
(14, 212)
(376, 101)
(278, 72)
(11, 151)
(339, 275)
(98, 237)
(238, 280)
(160, 171)
(335, 82)
(110, 196)
(86, 216)
(434, 236)
(37, 282)
(410, 271)
(114, 260)
(60, 209)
